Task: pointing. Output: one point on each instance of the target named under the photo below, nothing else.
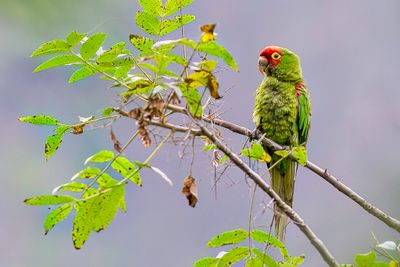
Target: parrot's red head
(280, 63)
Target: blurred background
(350, 56)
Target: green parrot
(282, 112)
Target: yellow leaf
(266, 157)
(208, 33)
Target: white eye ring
(275, 56)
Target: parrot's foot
(253, 135)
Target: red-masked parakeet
(282, 112)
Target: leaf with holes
(112, 53)
(300, 153)
(256, 152)
(152, 6)
(49, 200)
(56, 61)
(193, 99)
(214, 49)
(53, 141)
(87, 173)
(141, 43)
(102, 156)
(126, 168)
(233, 256)
(73, 187)
(148, 22)
(172, 6)
(74, 38)
(56, 216)
(169, 25)
(81, 73)
(40, 120)
(264, 258)
(52, 47)
(263, 237)
(92, 45)
(206, 262)
(206, 79)
(95, 214)
(228, 238)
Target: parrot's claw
(253, 135)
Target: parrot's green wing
(304, 113)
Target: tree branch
(315, 241)
(334, 181)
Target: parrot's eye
(275, 56)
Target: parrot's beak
(262, 64)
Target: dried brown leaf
(78, 129)
(189, 190)
(117, 144)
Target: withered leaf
(189, 190)
(204, 78)
(208, 32)
(78, 129)
(175, 99)
(117, 144)
(135, 113)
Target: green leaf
(87, 173)
(122, 61)
(49, 200)
(300, 153)
(52, 47)
(122, 71)
(365, 260)
(263, 237)
(53, 141)
(56, 61)
(172, 6)
(126, 168)
(209, 147)
(168, 25)
(266, 259)
(256, 152)
(81, 73)
(282, 153)
(112, 53)
(56, 216)
(40, 120)
(223, 159)
(167, 45)
(92, 45)
(214, 49)
(102, 156)
(74, 38)
(297, 261)
(193, 99)
(208, 65)
(141, 43)
(148, 22)
(206, 262)
(227, 238)
(107, 111)
(152, 6)
(254, 262)
(73, 187)
(233, 256)
(95, 214)
(206, 79)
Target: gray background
(350, 56)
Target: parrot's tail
(282, 183)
